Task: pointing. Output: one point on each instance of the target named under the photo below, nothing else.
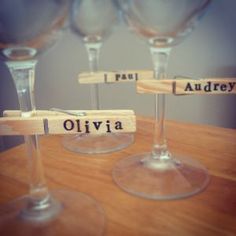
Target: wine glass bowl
(160, 174)
(93, 20)
(31, 30)
(163, 23)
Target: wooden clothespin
(184, 86)
(114, 76)
(147, 84)
(73, 122)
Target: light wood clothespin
(114, 76)
(184, 86)
(73, 122)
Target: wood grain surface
(210, 213)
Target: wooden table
(212, 212)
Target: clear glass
(25, 33)
(160, 174)
(92, 21)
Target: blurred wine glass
(27, 29)
(160, 174)
(93, 21)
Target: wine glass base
(175, 178)
(78, 214)
(97, 144)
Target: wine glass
(27, 29)
(160, 174)
(92, 21)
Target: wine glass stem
(93, 50)
(23, 76)
(160, 60)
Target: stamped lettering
(125, 77)
(88, 126)
(205, 86)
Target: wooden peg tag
(180, 86)
(94, 122)
(114, 77)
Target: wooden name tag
(114, 77)
(181, 86)
(47, 122)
